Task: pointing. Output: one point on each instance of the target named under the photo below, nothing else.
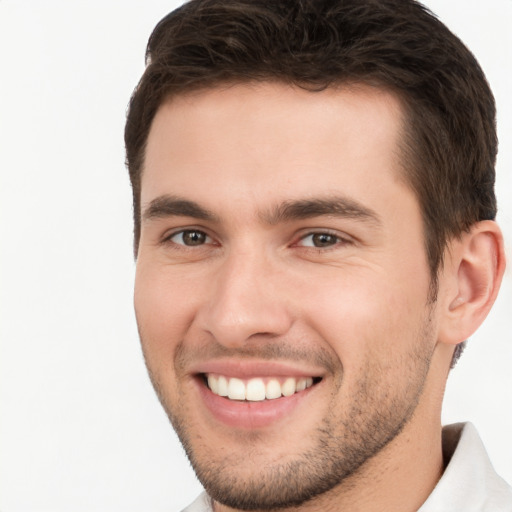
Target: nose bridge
(244, 301)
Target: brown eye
(190, 238)
(320, 240)
(324, 240)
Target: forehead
(249, 139)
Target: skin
(253, 287)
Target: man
(315, 241)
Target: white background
(80, 428)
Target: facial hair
(346, 438)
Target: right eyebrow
(331, 206)
(173, 206)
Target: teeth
(236, 389)
(213, 384)
(255, 390)
(222, 384)
(301, 384)
(289, 386)
(273, 389)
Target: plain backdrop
(80, 427)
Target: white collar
(469, 482)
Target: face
(282, 286)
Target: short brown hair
(449, 143)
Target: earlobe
(473, 271)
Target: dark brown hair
(449, 141)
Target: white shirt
(469, 482)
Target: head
(301, 172)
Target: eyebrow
(335, 206)
(172, 206)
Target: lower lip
(250, 415)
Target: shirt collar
(469, 481)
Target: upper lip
(246, 369)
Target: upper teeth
(256, 389)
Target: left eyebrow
(337, 206)
(173, 206)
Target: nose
(247, 302)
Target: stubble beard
(342, 443)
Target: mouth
(250, 394)
(257, 389)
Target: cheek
(366, 312)
(164, 308)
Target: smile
(257, 389)
(249, 394)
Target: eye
(320, 240)
(190, 238)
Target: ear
(471, 277)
